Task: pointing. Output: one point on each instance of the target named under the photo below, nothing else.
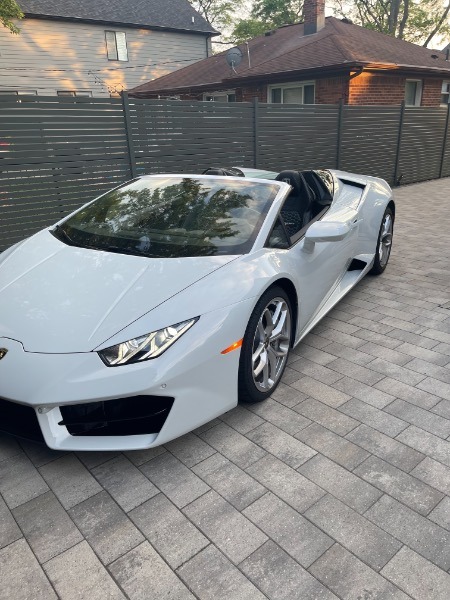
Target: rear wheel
(384, 243)
(266, 345)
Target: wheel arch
(287, 285)
(391, 205)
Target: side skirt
(348, 281)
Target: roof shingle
(288, 51)
(169, 14)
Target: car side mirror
(324, 231)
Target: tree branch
(404, 18)
(438, 26)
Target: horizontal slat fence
(421, 144)
(57, 153)
(369, 140)
(189, 137)
(297, 136)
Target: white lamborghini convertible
(159, 305)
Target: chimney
(313, 16)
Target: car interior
(308, 198)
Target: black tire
(249, 387)
(380, 264)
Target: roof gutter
(295, 75)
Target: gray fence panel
(421, 144)
(56, 154)
(297, 137)
(369, 140)
(182, 137)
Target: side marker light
(234, 346)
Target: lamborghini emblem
(3, 353)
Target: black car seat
(321, 195)
(296, 211)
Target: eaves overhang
(341, 69)
(296, 74)
(200, 87)
(405, 69)
(209, 33)
(335, 70)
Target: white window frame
(445, 90)
(113, 47)
(286, 86)
(419, 90)
(211, 96)
(19, 93)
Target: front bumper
(198, 382)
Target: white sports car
(159, 305)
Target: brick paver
(337, 487)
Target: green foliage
(417, 21)
(247, 29)
(278, 12)
(218, 13)
(265, 15)
(9, 10)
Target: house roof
(166, 14)
(287, 52)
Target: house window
(73, 93)
(224, 96)
(413, 92)
(445, 94)
(292, 93)
(116, 45)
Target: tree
(265, 15)
(9, 10)
(218, 13)
(417, 21)
(278, 12)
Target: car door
(317, 268)
(320, 267)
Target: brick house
(320, 61)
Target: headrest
(294, 179)
(232, 172)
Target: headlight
(145, 347)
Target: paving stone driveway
(338, 487)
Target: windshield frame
(261, 227)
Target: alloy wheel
(385, 245)
(271, 344)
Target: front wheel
(266, 345)
(384, 243)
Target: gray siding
(49, 56)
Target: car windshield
(171, 217)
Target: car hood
(56, 298)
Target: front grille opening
(136, 415)
(19, 420)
